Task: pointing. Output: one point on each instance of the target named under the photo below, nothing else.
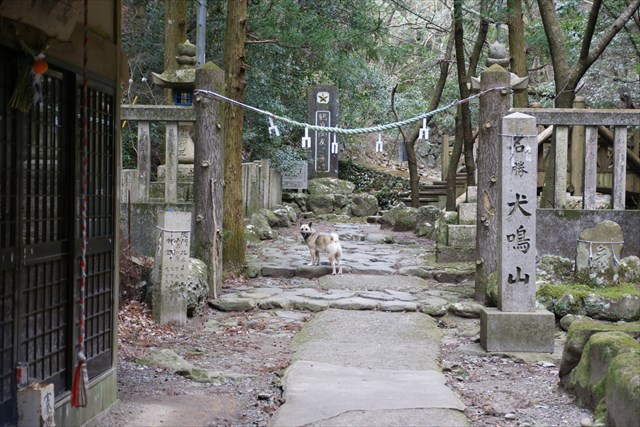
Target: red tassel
(80, 386)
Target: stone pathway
(370, 353)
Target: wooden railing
(137, 182)
(580, 130)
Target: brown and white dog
(320, 242)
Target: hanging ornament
(424, 130)
(38, 68)
(273, 129)
(334, 145)
(379, 143)
(306, 141)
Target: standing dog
(319, 242)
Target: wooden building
(41, 188)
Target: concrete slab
(372, 282)
(317, 391)
(432, 417)
(370, 339)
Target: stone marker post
(171, 268)
(322, 158)
(516, 325)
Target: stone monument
(517, 325)
(322, 156)
(598, 253)
(179, 155)
(171, 268)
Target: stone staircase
(436, 192)
(458, 242)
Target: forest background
(390, 60)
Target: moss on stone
(590, 377)
(623, 390)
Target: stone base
(517, 332)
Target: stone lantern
(181, 81)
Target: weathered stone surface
(590, 377)
(517, 331)
(629, 269)
(442, 226)
(286, 215)
(466, 309)
(232, 303)
(196, 287)
(166, 359)
(422, 272)
(579, 333)
(320, 204)
(400, 218)
(324, 186)
(622, 397)
(446, 254)
(426, 220)
(626, 308)
(355, 303)
(434, 310)
(274, 270)
(554, 267)
(398, 306)
(597, 250)
(462, 235)
(364, 205)
(261, 228)
(566, 321)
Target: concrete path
(359, 368)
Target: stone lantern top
(182, 77)
(498, 55)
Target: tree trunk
(410, 142)
(452, 172)
(175, 32)
(234, 50)
(494, 106)
(208, 175)
(517, 49)
(467, 132)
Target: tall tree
(567, 72)
(233, 247)
(175, 32)
(517, 49)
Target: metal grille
(100, 232)
(44, 298)
(8, 218)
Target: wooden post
(619, 167)
(171, 163)
(208, 173)
(577, 151)
(144, 162)
(590, 167)
(560, 169)
(494, 106)
(444, 158)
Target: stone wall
(389, 189)
(558, 230)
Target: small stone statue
(498, 55)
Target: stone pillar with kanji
(516, 324)
(322, 155)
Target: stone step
(472, 194)
(467, 213)
(446, 254)
(462, 235)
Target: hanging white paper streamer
(273, 129)
(379, 145)
(306, 141)
(334, 145)
(424, 130)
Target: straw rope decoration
(80, 386)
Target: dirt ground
(254, 348)
(497, 391)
